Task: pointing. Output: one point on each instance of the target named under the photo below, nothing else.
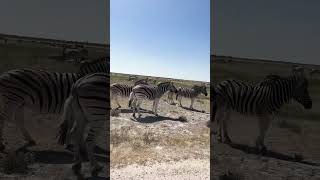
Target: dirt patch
(153, 147)
(291, 154)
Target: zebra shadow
(271, 154)
(195, 110)
(153, 119)
(63, 157)
(131, 111)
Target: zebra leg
(76, 167)
(116, 98)
(180, 97)
(219, 118)
(138, 107)
(95, 128)
(19, 119)
(156, 103)
(192, 101)
(225, 127)
(264, 123)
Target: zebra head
(301, 93)
(172, 88)
(202, 89)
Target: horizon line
(163, 77)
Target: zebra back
(266, 96)
(98, 65)
(46, 91)
(151, 91)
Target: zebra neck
(161, 89)
(282, 92)
(197, 91)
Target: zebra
(124, 90)
(261, 100)
(84, 117)
(170, 96)
(150, 92)
(191, 93)
(97, 65)
(36, 90)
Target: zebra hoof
(96, 170)
(76, 168)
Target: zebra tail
(177, 94)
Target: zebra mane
(196, 86)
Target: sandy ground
(52, 161)
(279, 162)
(183, 170)
(161, 147)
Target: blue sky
(167, 38)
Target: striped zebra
(124, 90)
(261, 100)
(85, 117)
(97, 65)
(191, 93)
(170, 96)
(148, 92)
(40, 91)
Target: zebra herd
(142, 90)
(46, 92)
(262, 100)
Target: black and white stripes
(191, 93)
(260, 100)
(37, 90)
(85, 116)
(148, 92)
(123, 90)
(98, 65)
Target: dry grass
(131, 145)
